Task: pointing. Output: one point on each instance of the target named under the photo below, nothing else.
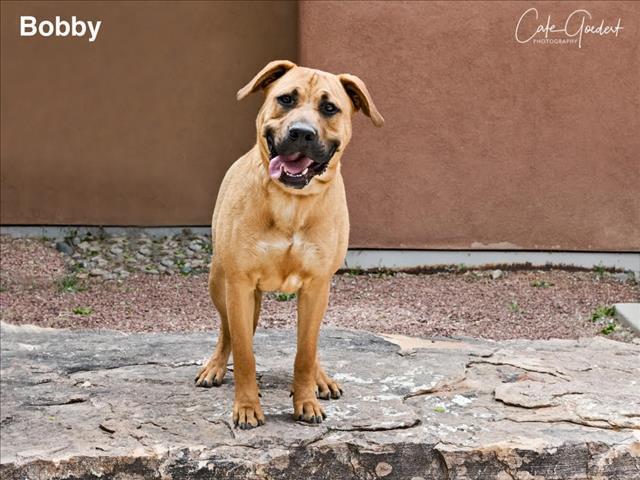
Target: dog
(280, 223)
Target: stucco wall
(139, 126)
(488, 143)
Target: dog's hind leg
(212, 373)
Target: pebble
(98, 272)
(144, 251)
(116, 250)
(167, 262)
(195, 247)
(383, 469)
(64, 247)
(99, 261)
(121, 272)
(496, 274)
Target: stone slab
(629, 315)
(88, 405)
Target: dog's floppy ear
(360, 97)
(269, 74)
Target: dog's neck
(291, 209)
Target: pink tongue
(294, 163)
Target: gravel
(117, 257)
(43, 286)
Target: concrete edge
(407, 259)
(628, 314)
(379, 258)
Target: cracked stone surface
(92, 404)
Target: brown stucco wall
(139, 126)
(488, 143)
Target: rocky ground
(123, 406)
(160, 284)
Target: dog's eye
(286, 100)
(329, 109)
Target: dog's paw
(247, 415)
(308, 410)
(212, 374)
(327, 388)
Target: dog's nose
(302, 132)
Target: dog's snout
(302, 132)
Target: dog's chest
(295, 250)
(285, 261)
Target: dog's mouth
(296, 169)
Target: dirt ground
(37, 287)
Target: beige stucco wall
(488, 143)
(139, 126)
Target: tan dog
(281, 223)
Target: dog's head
(305, 122)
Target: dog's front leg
(240, 296)
(312, 304)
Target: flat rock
(113, 405)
